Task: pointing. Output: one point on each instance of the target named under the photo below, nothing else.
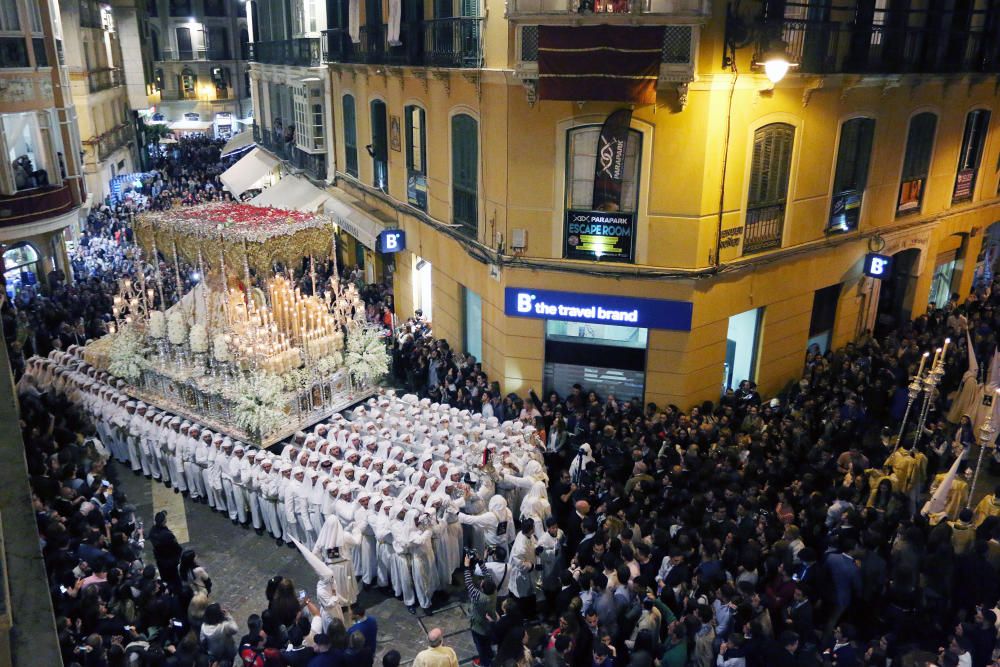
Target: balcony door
(373, 32)
(185, 49)
(379, 148)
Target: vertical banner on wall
(610, 165)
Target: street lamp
(764, 32)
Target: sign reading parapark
(598, 308)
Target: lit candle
(944, 352)
(923, 360)
(937, 357)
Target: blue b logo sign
(391, 240)
(878, 266)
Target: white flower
(367, 357)
(220, 348)
(258, 402)
(176, 327)
(198, 338)
(127, 355)
(157, 325)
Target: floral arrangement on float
(127, 354)
(367, 357)
(257, 398)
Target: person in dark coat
(166, 551)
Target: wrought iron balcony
(447, 42)
(287, 151)
(110, 141)
(185, 54)
(601, 9)
(36, 204)
(103, 79)
(301, 52)
(853, 40)
(762, 230)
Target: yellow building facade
(754, 205)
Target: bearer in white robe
(422, 558)
(335, 546)
(495, 525)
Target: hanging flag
(599, 62)
(610, 165)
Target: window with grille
(851, 174)
(350, 137)
(581, 164)
(416, 156)
(768, 193)
(977, 123)
(465, 173)
(916, 162)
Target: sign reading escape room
(600, 235)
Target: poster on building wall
(963, 184)
(909, 195)
(600, 235)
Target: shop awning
(191, 125)
(292, 192)
(348, 213)
(248, 172)
(237, 143)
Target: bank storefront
(599, 341)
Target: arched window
(977, 123)
(416, 156)
(379, 147)
(188, 87)
(350, 137)
(851, 174)
(916, 162)
(769, 170)
(465, 173)
(20, 267)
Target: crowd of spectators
(739, 533)
(748, 532)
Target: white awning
(237, 143)
(292, 192)
(348, 214)
(248, 172)
(191, 125)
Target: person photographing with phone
(482, 611)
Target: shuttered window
(973, 141)
(916, 162)
(851, 174)
(465, 173)
(769, 170)
(350, 137)
(772, 161)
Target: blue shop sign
(878, 266)
(391, 240)
(598, 308)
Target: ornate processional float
(242, 350)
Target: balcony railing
(601, 8)
(103, 79)
(924, 42)
(447, 42)
(36, 204)
(763, 227)
(314, 164)
(110, 141)
(185, 54)
(302, 52)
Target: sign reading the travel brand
(602, 236)
(598, 308)
(391, 240)
(878, 266)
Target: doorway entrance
(895, 299)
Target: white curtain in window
(8, 15)
(395, 14)
(354, 20)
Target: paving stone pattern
(240, 562)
